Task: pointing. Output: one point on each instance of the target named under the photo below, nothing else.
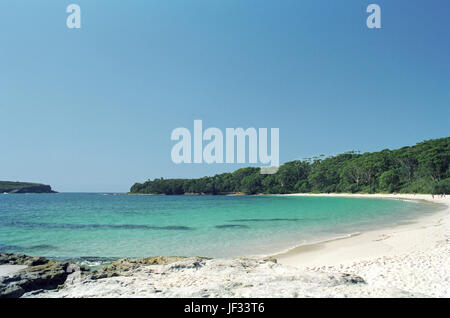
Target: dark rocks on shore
(48, 276)
(21, 259)
(41, 274)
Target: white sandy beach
(419, 235)
(413, 257)
(411, 260)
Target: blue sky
(92, 109)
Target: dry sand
(413, 257)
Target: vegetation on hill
(16, 185)
(423, 168)
(24, 187)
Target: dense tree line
(423, 168)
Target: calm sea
(102, 226)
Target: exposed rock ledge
(40, 274)
(168, 277)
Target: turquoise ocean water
(89, 226)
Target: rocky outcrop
(22, 259)
(126, 266)
(201, 277)
(41, 274)
(174, 277)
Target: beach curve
(409, 260)
(413, 256)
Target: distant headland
(24, 187)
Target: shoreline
(384, 241)
(407, 260)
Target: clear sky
(92, 109)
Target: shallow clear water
(72, 225)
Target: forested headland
(24, 187)
(423, 168)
